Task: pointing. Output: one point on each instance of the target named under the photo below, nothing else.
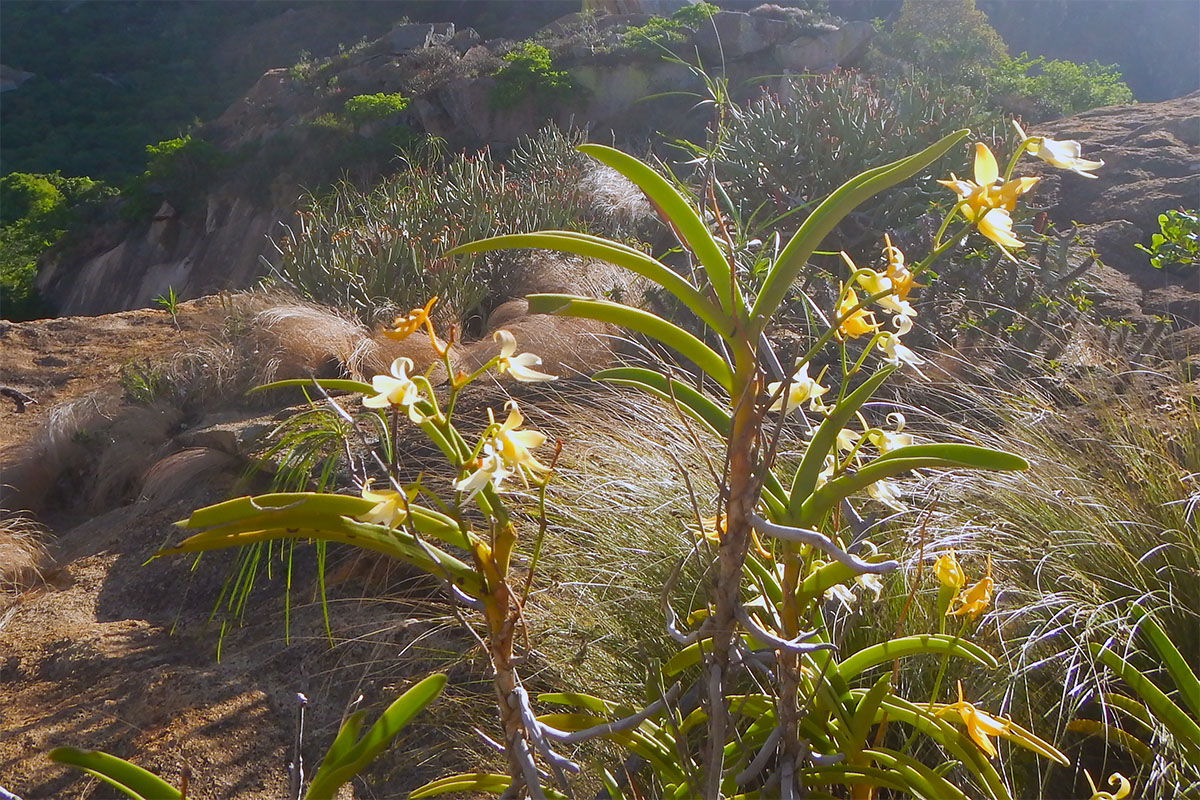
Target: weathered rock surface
(1151, 154)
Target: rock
(1174, 302)
(840, 48)
(464, 40)
(734, 34)
(416, 36)
(12, 78)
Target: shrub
(177, 170)
(37, 211)
(1057, 87)
(951, 38)
(528, 74)
(372, 107)
(1177, 247)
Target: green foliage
(37, 210)
(143, 381)
(373, 107)
(177, 170)
(529, 74)
(1057, 87)
(695, 14)
(1176, 247)
(951, 38)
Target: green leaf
(827, 215)
(1184, 729)
(864, 716)
(1174, 662)
(701, 408)
(329, 384)
(965, 456)
(685, 219)
(622, 255)
(644, 322)
(931, 643)
(962, 455)
(333, 773)
(487, 782)
(347, 735)
(312, 518)
(117, 772)
(923, 781)
(1112, 734)
(824, 440)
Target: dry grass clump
(23, 556)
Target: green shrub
(177, 170)
(1177, 247)
(371, 107)
(1058, 87)
(528, 74)
(951, 38)
(695, 14)
(37, 211)
(25, 195)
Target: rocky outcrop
(1151, 154)
(219, 242)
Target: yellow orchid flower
(979, 724)
(519, 366)
(391, 508)
(887, 441)
(873, 283)
(987, 204)
(801, 388)
(513, 445)
(397, 389)
(977, 598)
(1065, 154)
(903, 281)
(854, 323)
(713, 528)
(403, 327)
(949, 573)
(1116, 779)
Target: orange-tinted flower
(403, 327)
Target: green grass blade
(486, 782)
(827, 215)
(928, 643)
(622, 255)
(117, 772)
(643, 322)
(685, 219)
(1111, 733)
(377, 739)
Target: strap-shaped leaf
(701, 408)
(129, 778)
(282, 508)
(487, 782)
(825, 218)
(644, 322)
(941, 644)
(332, 384)
(693, 230)
(833, 492)
(1111, 733)
(394, 543)
(583, 244)
(864, 716)
(1174, 662)
(962, 455)
(824, 440)
(928, 784)
(343, 743)
(332, 774)
(1183, 728)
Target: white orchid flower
(519, 366)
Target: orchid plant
(774, 708)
